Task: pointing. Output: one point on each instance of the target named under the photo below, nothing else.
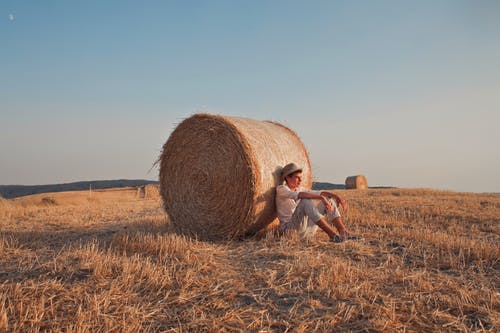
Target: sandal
(336, 239)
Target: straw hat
(289, 169)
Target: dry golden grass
(110, 263)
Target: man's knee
(306, 202)
(310, 209)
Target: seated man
(297, 212)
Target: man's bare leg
(323, 225)
(339, 224)
(343, 231)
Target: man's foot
(350, 236)
(336, 239)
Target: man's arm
(323, 196)
(339, 200)
(312, 195)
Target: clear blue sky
(405, 92)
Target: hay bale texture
(218, 174)
(356, 182)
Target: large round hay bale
(356, 182)
(218, 174)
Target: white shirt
(286, 202)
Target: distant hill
(14, 191)
(327, 186)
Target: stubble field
(109, 261)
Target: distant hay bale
(218, 174)
(148, 191)
(356, 182)
(49, 201)
(151, 191)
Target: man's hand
(342, 202)
(327, 203)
